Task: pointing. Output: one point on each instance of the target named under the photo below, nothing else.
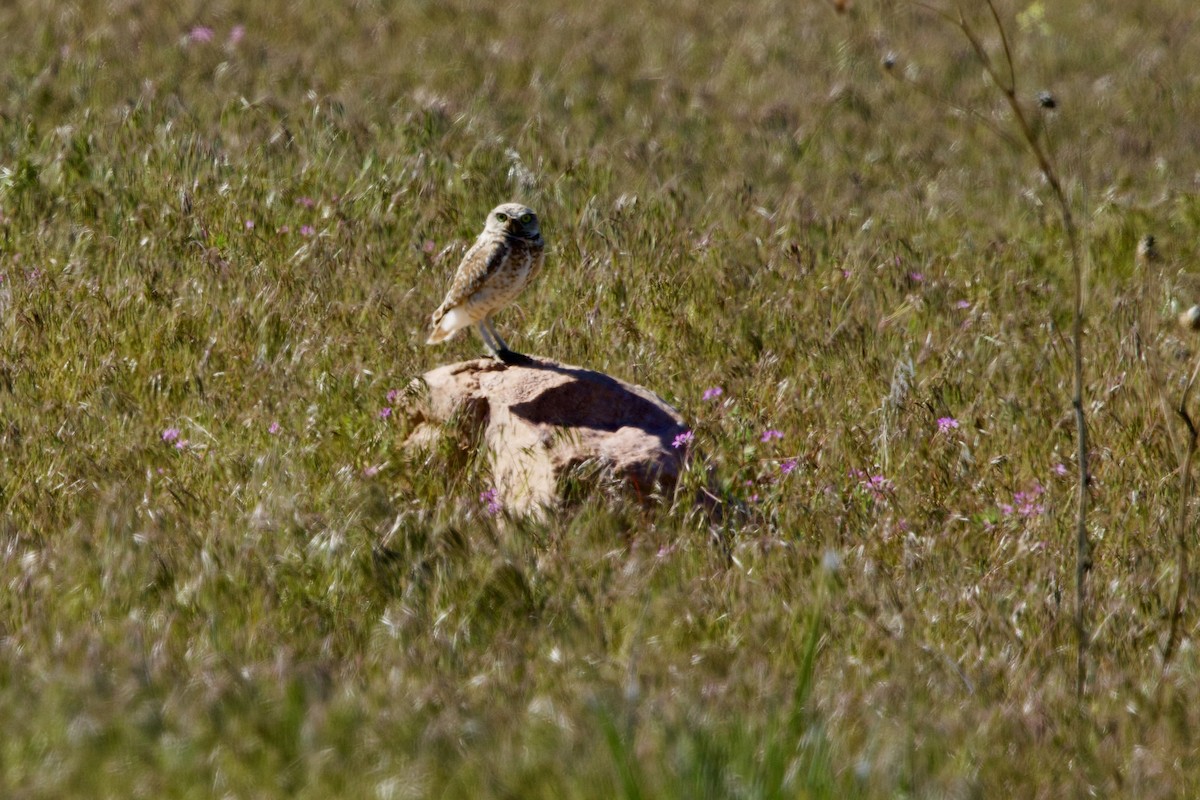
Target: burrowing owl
(503, 260)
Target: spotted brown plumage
(501, 263)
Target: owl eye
(526, 218)
(500, 215)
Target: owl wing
(480, 263)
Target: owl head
(514, 219)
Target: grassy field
(223, 228)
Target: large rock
(541, 420)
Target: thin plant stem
(1185, 491)
(1007, 84)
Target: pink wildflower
(879, 486)
(491, 501)
(713, 393)
(770, 434)
(1025, 503)
(201, 34)
(946, 424)
(683, 440)
(170, 434)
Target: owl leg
(486, 336)
(502, 351)
(495, 336)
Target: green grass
(734, 195)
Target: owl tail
(446, 324)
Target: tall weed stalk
(1181, 531)
(1004, 78)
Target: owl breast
(510, 279)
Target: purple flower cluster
(204, 34)
(491, 501)
(683, 440)
(712, 393)
(879, 486)
(770, 434)
(1025, 504)
(171, 435)
(946, 424)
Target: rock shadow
(594, 400)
